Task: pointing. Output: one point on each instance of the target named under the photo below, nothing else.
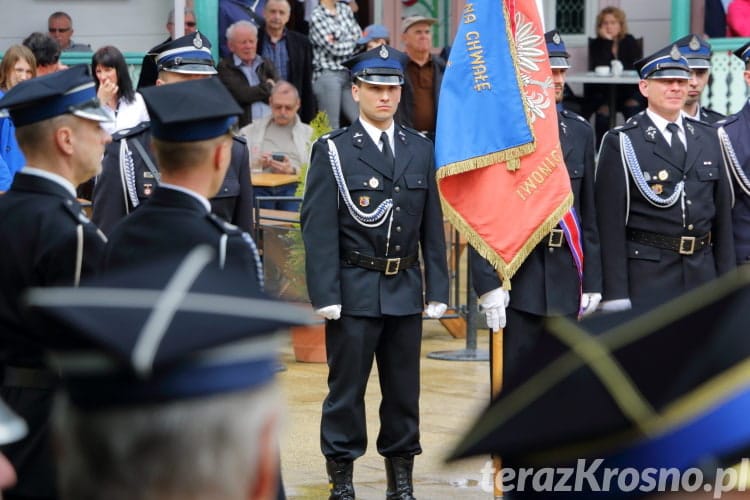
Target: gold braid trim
(505, 270)
(509, 155)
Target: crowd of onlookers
(258, 49)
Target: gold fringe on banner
(505, 270)
(506, 155)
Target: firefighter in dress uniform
(46, 240)
(698, 54)
(547, 284)
(370, 206)
(663, 196)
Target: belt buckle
(687, 245)
(392, 266)
(555, 238)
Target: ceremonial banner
(500, 169)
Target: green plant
(294, 287)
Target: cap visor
(382, 79)
(699, 63)
(192, 69)
(12, 427)
(669, 73)
(558, 62)
(93, 111)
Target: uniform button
(690, 227)
(398, 229)
(397, 248)
(397, 189)
(364, 183)
(551, 250)
(226, 189)
(689, 202)
(635, 252)
(398, 209)
(684, 177)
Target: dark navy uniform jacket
(112, 202)
(46, 240)
(547, 282)
(40, 242)
(709, 115)
(173, 222)
(635, 270)
(329, 230)
(737, 127)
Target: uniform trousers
(352, 343)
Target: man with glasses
(149, 73)
(60, 27)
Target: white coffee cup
(602, 70)
(616, 67)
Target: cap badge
(556, 38)
(383, 52)
(675, 53)
(197, 41)
(694, 44)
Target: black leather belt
(684, 245)
(388, 266)
(28, 378)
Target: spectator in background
(60, 27)
(290, 53)
(149, 73)
(334, 33)
(738, 18)
(18, 64)
(373, 36)
(613, 42)
(247, 75)
(231, 11)
(46, 52)
(279, 143)
(424, 74)
(115, 90)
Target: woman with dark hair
(115, 89)
(613, 42)
(18, 64)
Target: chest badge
(148, 189)
(657, 188)
(364, 201)
(663, 175)
(373, 182)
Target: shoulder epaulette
(414, 132)
(240, 138)
(693, 121)
(333, 133)
(129, 132)
(74, 210)
(223, 225)
(574, 116)
(729, 119)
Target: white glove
(435, 310)
(330, 312)
(616, 305)
(589, 303)
(494, 303)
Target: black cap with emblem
(71, 91)
(558, 56)
(189, 54)
(177, 328)
(379, 66)
(190, 111)
(667, 62)
(696, 50)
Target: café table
(268, 179)
(626, 78)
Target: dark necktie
(678, 149)
(387, 152)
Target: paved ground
(452, 394)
